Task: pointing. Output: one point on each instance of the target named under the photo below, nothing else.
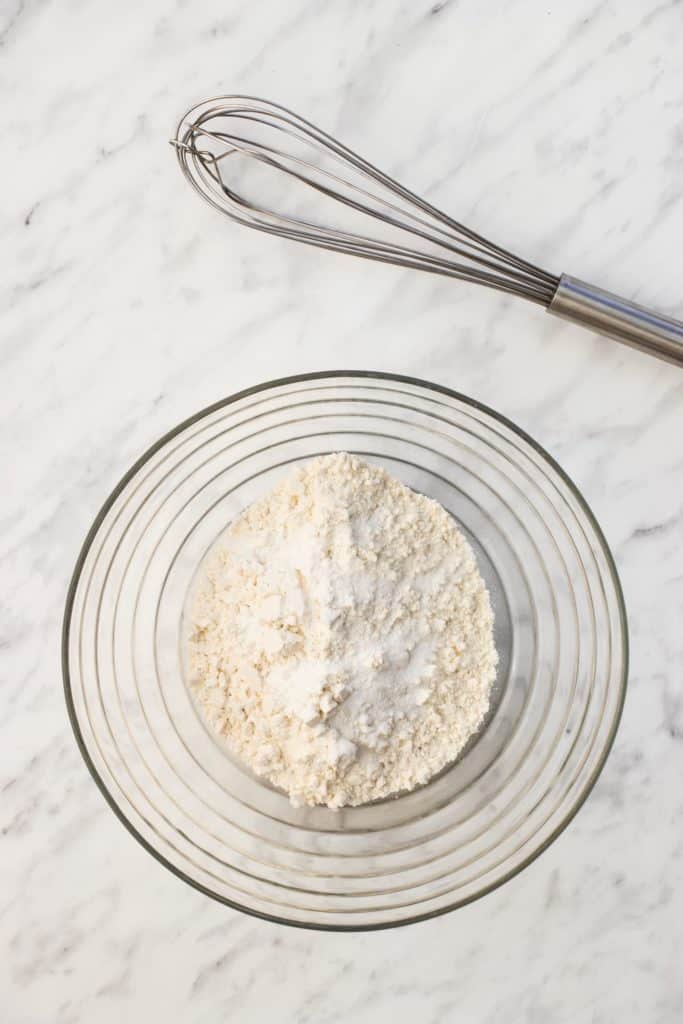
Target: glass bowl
(560, 630)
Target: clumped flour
(342, 636)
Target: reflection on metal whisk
(414, 233)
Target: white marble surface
(127, 305)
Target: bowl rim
(298, 379)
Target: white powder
(342, 636)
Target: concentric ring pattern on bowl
(560, 630)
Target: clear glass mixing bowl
(560, 631)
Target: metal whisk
(413, 232)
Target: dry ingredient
(342, 636)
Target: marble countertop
(127, 305)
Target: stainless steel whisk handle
(625, 321)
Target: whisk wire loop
(218, 129)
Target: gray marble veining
(126, 305)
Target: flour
(342, 636)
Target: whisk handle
(642, 328)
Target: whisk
(410, 231)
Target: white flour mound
(342, 636)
